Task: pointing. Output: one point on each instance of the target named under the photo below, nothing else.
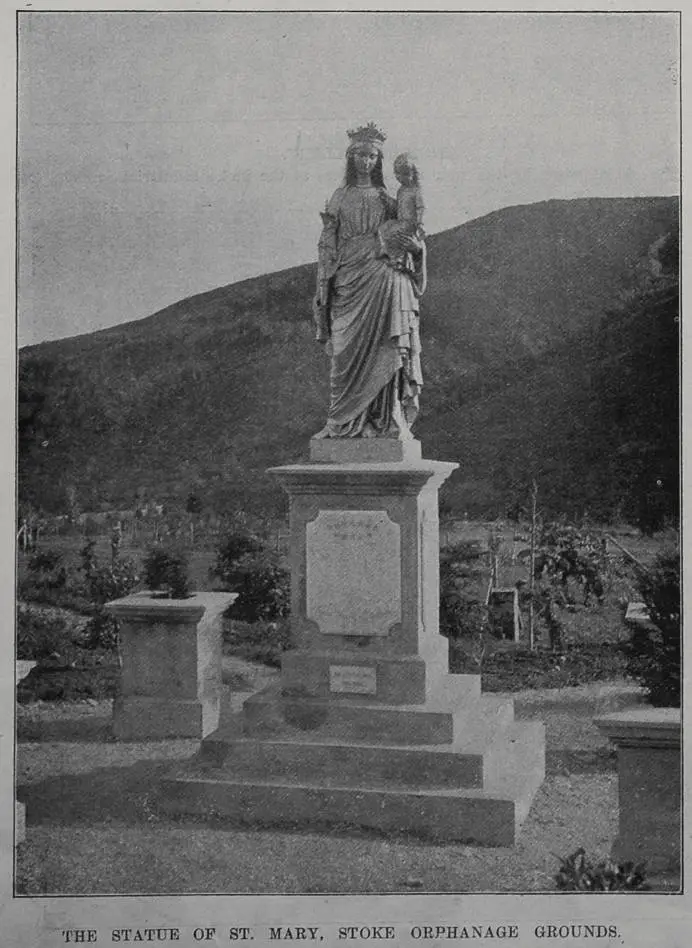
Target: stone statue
(371, 273)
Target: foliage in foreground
(653, 652)
(579, 874)
(66, 670)
(40, 632)
(102, 583)
(84, 588)
(462, 572)
(570, 569)
(246, 566)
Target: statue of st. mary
(366, 308)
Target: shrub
(247, 567)
(44, 561)
(653, 653)
(462, 613)
(264, 592)
(167, 571)
(40, 633)
(102, 584)
(569, 560)
(101, 631)
(235, 550)
(47, 573)
(52, 579)
(111, 581)
(577, 873)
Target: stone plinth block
(363, 450)
(366, 725)
(365, 557)
(171, 665)
(648, 749)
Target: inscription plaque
(353, 679)
(353, 572)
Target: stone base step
(273, 715)
(435, 766)
(473, 816)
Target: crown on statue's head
(367, 134)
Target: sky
(165, 154)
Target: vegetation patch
(518, 668)
(653, 650)
(577, 873)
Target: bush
(462, 613)
(232, 552)
(246, 566)
(101, 631)
(112, 581)
(167, 571)
(264, 592)
(40, 633)
(653, 653)
(44, 561)
(102, 584)
(46, 575)
(54, 580)
(578, 874)
(571, 564)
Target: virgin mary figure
(366, 310)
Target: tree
(636, 381)
(569, 563)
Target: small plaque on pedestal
(352, 679)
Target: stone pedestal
(648, 749)
(171, 665)
(366, 726)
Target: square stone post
(648, 749)
(171, 665)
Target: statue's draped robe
(373, 321)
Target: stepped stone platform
(366, 726)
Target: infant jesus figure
(409, 216)
(395, 246)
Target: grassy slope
(218, 387)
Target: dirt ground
(93, 826)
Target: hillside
(209, 392)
